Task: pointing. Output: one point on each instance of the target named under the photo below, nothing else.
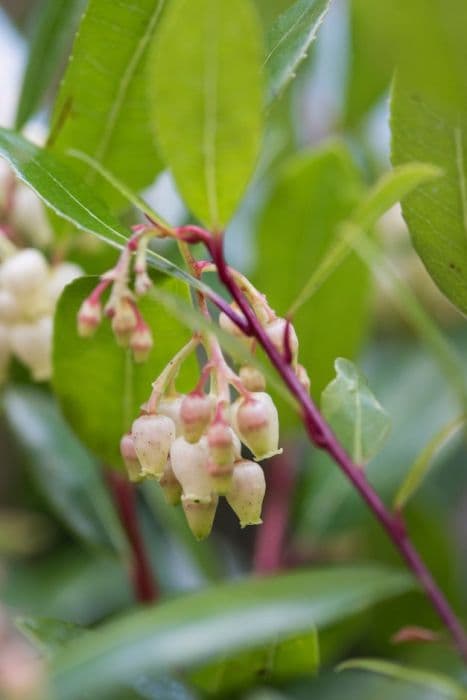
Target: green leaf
(103, 107)
(444, 685)
(355, 415)
(289, 40)
(420, 468)
(276, 662)
(371, 57)
(429, 123)
(99, 387)
(69, 197)
(66, 474)
(207, 95)
(315, 192)
(55, 24)
(181, 633)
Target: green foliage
(64, 471)
(289, 40)
(429, 124)
(54, 27)
(353, 412)
(103, 107)
(210, 624)
(315, 192)
(207, 98)
(97, 384)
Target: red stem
(322, 436)
(124, 497)
(270, 539)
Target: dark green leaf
(98, 386)
(55, 24)
(289, 40)
(353, 412)
(315, 193)
(207, 90)
(198, 628)
(103, 104)
(64, 471)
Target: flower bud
(170, 406)
(152, 438)
(221, 477)
(32, 344)
(303, 377)
(129, 456)
(25, 274)
(247, 492)
(200, 516)
(280, 336)
(256, 422)
(9, 308)
(89, 318)
(141, 343)
(170, 485)
(252, 378)
(190, 466)
(60, 276)
(195, 414)
(124, 322)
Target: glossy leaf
(315, 193)
(289, 40)
(443, 685)
(194, 629)
(70, 198)
(355, 415)
(98, 386)
(420, 468)
(65, 473)
(103, 104)
(207, 90)
(55, 24)
(429, 123)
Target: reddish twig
(322, 436)
(270, 540)
(124, 497)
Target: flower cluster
(29, 290)
(192, 443)
(128, 325)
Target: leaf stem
(124, 497)
(322, 436)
